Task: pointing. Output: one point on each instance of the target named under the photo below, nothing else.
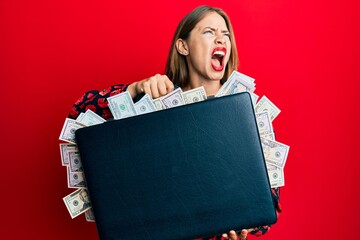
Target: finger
(154, 86)
(225, 236)
(169, 85)
(243, 234)
(250, 230)
(162, 86)
(145, 88)
(232, 235)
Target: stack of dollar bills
(122, 106)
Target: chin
(216, 75)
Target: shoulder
(96, 101)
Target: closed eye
(226, 33)
(209, 32)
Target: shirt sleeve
(96, 101)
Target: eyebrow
(214, 29)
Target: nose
(219, 40)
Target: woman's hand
(156, 86)
(232, 235)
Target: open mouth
(217, 59)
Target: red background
(304, 55)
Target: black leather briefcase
(192, 171)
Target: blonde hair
(176, 66)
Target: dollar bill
(80, 116)
(89, 215)
(77, 202)
(265, 104)
(237, 82)
(159, 104)
(270, 136)
(75, 161)
(75, 179)
(64, 152)
(254, 98)
(68, 131)
(264, 124)
(194, 95)
(248, 83)
(90, 118)
(173, 99)
(144, 105)
(240, 88)
(246, 78)
(275, 152)
(121, 105)
(276, 175)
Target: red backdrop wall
(304, 55)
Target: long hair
(176, 67)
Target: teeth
(219, 53)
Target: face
(209, 48)
(84, 196)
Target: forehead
(213, 20)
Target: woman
(203, 53)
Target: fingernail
(232, 232)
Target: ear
(182, 47)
